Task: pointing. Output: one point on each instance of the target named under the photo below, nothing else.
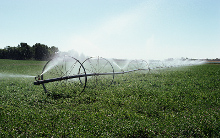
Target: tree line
(25, 52)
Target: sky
(128, 29)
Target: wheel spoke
(66, 67)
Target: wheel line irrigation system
(69, 72)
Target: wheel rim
(94, 65)
(61, 67)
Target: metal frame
(40, 79)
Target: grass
(173, 102)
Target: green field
(175, 102)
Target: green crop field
(173, 102)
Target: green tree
(41, 51)
(53, 50)
(24, 52)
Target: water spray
(15, 76)
(68, 72)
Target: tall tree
(41, 51)
(53, 50)
(25, 51)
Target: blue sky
(134, 29)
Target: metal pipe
(38, 82)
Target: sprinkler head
(37, 77)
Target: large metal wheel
(95, 68)
(138, 65)
(62, 66)
(136, 68)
